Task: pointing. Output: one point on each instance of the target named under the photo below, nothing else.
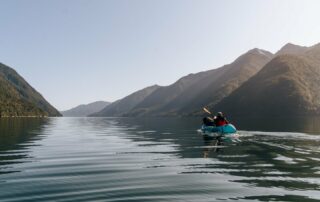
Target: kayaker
(220, 119)
(207, 121)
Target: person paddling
(208, 121)
(221, 125)
(220, 120)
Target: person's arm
(226, 121)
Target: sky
(80, 51)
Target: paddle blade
(206, 110)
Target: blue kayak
(219, 130)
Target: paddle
(206, 110)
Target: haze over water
(121, 159)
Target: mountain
(287, 86)
(164, 95)
(290, 48)
(122, 106)
(190, 93)
(18, 98)
(85, 109)
(257, 83)
(313, 53)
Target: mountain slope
(287, 85)
(293, 49)
(157, 100)
(85, 109)
(18, 98)
(313, 53)
(189, 94)
(122, 106)
(236, 74)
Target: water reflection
(288, 161)
(211, 145)
(15, 134)
(307, 124)
(154, 159)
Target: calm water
(110, 159)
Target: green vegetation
(18, 98)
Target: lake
(157, 159)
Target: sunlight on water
(114, 159)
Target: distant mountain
(85, 109)
(257, 83)
(190, 93)
(290, 48)
(122, 106)
(18, 98)
(313, 53)
(288, 85)
(164, 95)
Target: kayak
(215, 131)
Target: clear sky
(80, 51)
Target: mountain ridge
(182, 97)
(19, 98)
(288, 79)
(122, 106)
(287, 85)
(85, 109)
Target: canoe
(225, 130)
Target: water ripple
(109, 159)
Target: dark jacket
(207, 121)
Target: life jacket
(221, 123)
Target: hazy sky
(79, 51)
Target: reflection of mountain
(15, 132)
(259, 160)
(18, 98)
